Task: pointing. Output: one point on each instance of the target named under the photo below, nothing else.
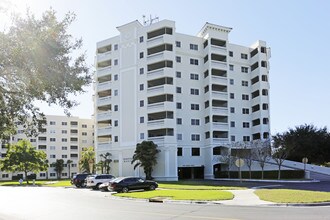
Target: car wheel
(124, 190)
(152, 187)
(97, 186)
(109, 188)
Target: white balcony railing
(104, 130)
(103, 86)
(103, 71)
(103, 116)
(104, 101)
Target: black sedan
(125, 184)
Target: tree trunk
(250, 174)
(26, 177)
(262, 173)
(279, 172)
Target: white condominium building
(62, 138)
(191, 95)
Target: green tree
(23, 157)
(69, 162)
(87, 161)
(58, 167)
(279, 153)
(145, 155)
(36, 63)
(106, 160)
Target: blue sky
(298, 33)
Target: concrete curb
(270, 181)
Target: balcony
(157, 57)
(219, 64)
(158, 90)
(103, 71)
(104, 146)
(103, 86)
(155, 74)
(103, 56)
(102, 116)
(159, 40)
(220, 125)
(161, 123)
(219, 80)
(103, 131)
(104, 101)
(220, 95)
(219, 49)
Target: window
(232, 95)
(194, 91)
(64, 123)
(232, 138)
(231, 54)
(232, 124)
(245, 83)
(178, 43)
(73, 155)
(116, 138)
(52, 123)
(141, 119)
(195, 151)
(116, 47)
(42, 174)
(141, 87)
(64, 140)
(195, 137)
(116, 92)
(141, 71)
(141, 39)
(5, 175)
(84, 126)
(246, 138)
(179, 105)
(264, 92)
(193, 61)
(52, 156)
(245, 111)
(178, 74)
(194, 121)
(178, 90)
(51, 131)
(141, 103)
(141, 55)
(264, 78)
(265, 121)
(74, 147)
(231, 81)
(52, 139)
(246, 124)
(264, 106)
(141, 136)
(115, 77)
(116, 62)
(64, 156)
(116, 108)
(245, 97)
(232, 110)
(64, 148)
(52, 148)
(178, 59)
(52, 174)
(33, 140)
(116, 123)
(193, 47)
(244, 69)
(84, 133)
(179, 152)
(179, 121)
(244, 56)
(194, 76)
(194, 107)
(179, 137)
(231, 67)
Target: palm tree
(87, 161)
(47, 165)
(69, 162)
(106, 162)
(145, 155)
(58, 167)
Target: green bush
(269, 174)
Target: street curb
(271, 181)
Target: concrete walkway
(244, 198)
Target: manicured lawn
(181, 194)
(54, 183)
(292, 196)
(195, 186)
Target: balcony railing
(219, 64)
(103, 86)
(220, 110)
(104, 100)
(104, 130)
(103, 116)
(104, 71)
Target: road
(48, 203)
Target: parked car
(79, 179)
(94, 181)
(104, 186)
(125, 184)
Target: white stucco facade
(62, 138)
(191, 95)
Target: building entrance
(191, 172)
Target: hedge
(269, 174)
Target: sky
(297, 31)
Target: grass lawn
(292, 196)
(54, 183)
(195, 186)
(180, 194)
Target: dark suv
(79, 179)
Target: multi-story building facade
(191, 95)
(62, 138)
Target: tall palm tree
(145, 155)
(58, 167)
(87, 161)
(69, 162)
(106, 162)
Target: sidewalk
(244, 198)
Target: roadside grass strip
(196, 187)
(292, 196)
(53, 183)
(205, 195)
